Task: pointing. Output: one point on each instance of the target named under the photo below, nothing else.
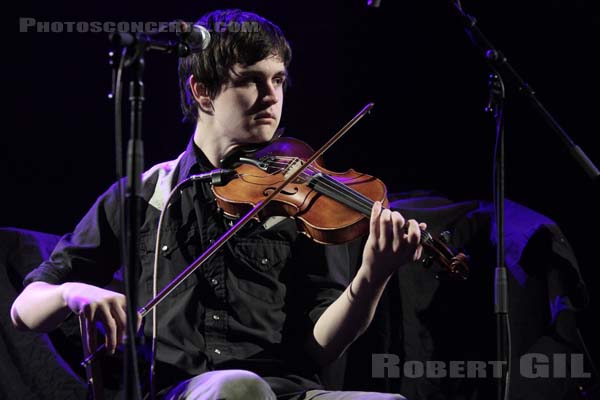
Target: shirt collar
(193, 161)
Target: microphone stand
(497, 62)
(132, 56)
(503, 349)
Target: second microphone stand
(498, 62)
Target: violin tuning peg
(445, 237)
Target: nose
(270, 94)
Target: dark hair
(236, 37)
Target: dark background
(427, 130)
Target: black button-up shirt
(250, 306)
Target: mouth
(264, 117)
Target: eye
(279, 80)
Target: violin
(329, 207)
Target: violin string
(358, 198)
(280, 167)
(303, 177)
(257, 176)
(285, 165)
(332, 184)
(350, 195)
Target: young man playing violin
(258, 317)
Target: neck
(211, 143)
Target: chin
(262, 133)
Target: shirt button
(165, 248)
(214, 282)
(264, 261)
(217, 351)
(216, 317)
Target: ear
(201, 96)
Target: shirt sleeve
(90, 253)
(326, 272)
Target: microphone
(195, 37)
(217, 177)
(190, 38)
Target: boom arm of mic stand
(497, 61)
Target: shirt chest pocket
(176, 250)
(257, 265)
(265, 255)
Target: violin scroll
(454, 264)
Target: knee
(324, 394)
(239, 384)
(235, 384)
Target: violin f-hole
(269, 190)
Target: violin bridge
(293, 167)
